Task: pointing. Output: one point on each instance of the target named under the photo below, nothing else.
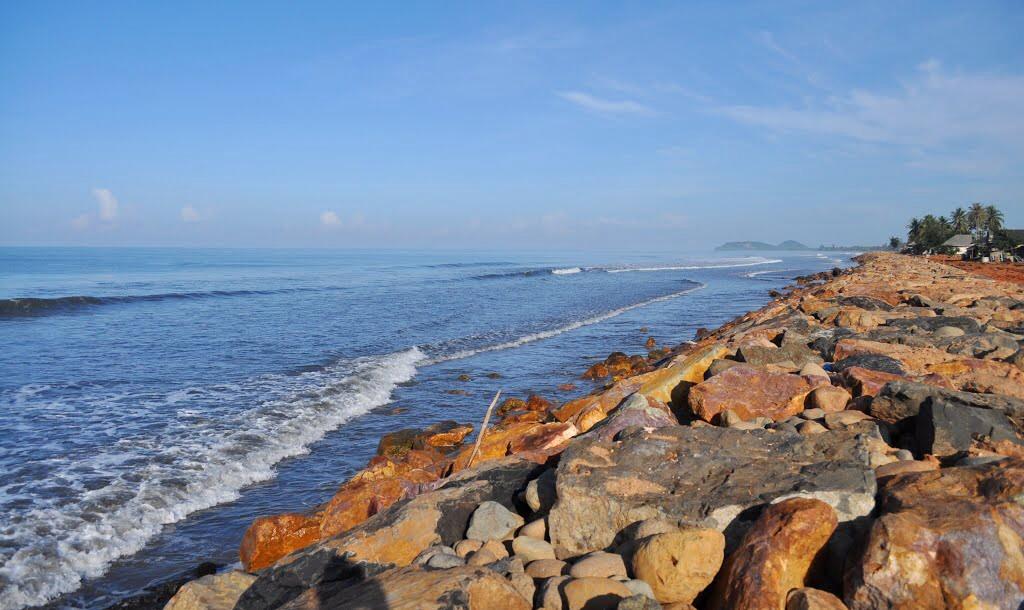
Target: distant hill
(789, 244)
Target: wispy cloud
(933, 111)
(330, 219)
(189, 214)
(107, 202)
(603, 106)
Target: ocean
(154, 401)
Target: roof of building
(959, 241)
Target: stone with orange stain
(271, 538)
(775, 556)
(949, 538)
(495, 444)
(543, 441)
(983, 376)
(664, 384)
(866, 382)
(752, 392)
(917, 360)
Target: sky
(503, 125)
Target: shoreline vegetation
(856, 443)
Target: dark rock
(945, 428)
(156, 596)
(706, 477)
(898, 401)
(982, 345)
(874, 362)
(869, 303)
(796, 353)
(638, 602)
(968, 325)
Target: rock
(540, 492)
(829, 398)
(792, 355)
(550, 593)
(465, 547)
(903, 467)
(438, 549)
(668, 384)
(900, 401)
(650, 527)
(844, 418)
(213, 592)
(945, 428)
(492, 521)
(636, 410)
(638, 601)
(546, 568)
(469, 588)
(443, 561)
(866, 382)
(983, 376)
(947, 332)
(949, 538)
(812, 369)
(594, 593)
(542, 441)
(464, 377)
(599, 565)
(813, 599)
(481, 557)
(639, 587)
(813, 413)
(269, 539)
(704, 477)
(775, 555)
(719, 366)
(678, 565)
(512, 569)
(396, 535)
(534, 529)
(811, 427)
(751, 392)
(495, 548)
(871, 362)
(531, 549)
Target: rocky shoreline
(857, 443)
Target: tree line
(982, 222)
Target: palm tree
(894, 243)
(977, 218)
(993, 220)
(913, 229)
(958, 218)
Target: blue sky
(592, 125)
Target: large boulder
(899, 401)
(702, 477)
(774, 556)
(213, 592)
(752, 392)
(397, 535)
(679, 564)
(667, 384)
(415, 588)
(945, 428)
(949, 538)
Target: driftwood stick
(483, 429)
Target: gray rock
(983, 345)
(868, 303)
(639, 587)
(718, 366)
(899, 401)
(964, 323)
(979, 460)
(492, 521)
(945, 428)
(443, 561)
(947, 332)
(875, 362)
(707, 477)
(638, 601)
(635, 410)
(797, 354)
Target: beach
(854, 443)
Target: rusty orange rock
(271, 538)
(984, 376)
(774, 556)
(752, 392)
(866, 382)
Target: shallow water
(154, 401)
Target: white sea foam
(567, 271)
(757, 273)
(692, 267)
(545, 334)
(190, 467)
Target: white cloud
(81, 222)
(934, 110)
(330, 219)
(602, 106)
(107, 202)
(189, 214)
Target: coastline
(837, 347)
